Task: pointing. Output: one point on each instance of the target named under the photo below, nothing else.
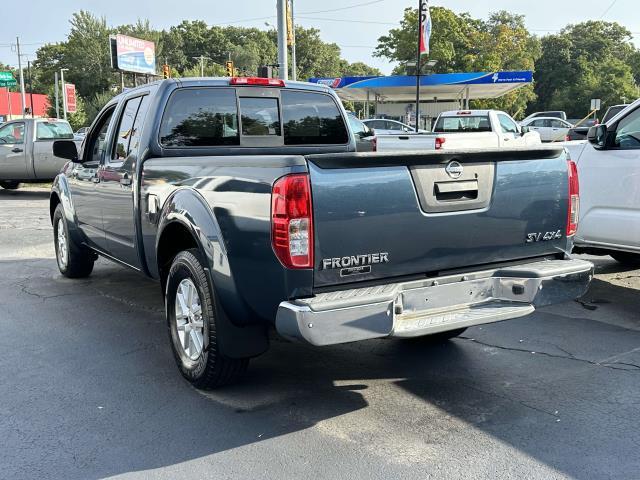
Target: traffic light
(229, 66)
(166, 71)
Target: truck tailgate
(395, 215)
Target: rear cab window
(467, 123)
(52, 130)
(250, 117)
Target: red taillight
(374, 144)
(567, 138)
(574, 199)
(439, 142)
(264, 82)
(464, 112)
(292, 221)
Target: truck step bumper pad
(432, 305)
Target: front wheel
(191, 317)
(9, 184)
(74, 261)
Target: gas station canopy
(439, 86)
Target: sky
(355, 30)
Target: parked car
(550, 129)
(26, 150)
(384, 126)
(82, 131)
(474, 129)
(281, 224)
(609, 167)
(549, 114)
(366, 140)
(580, 129)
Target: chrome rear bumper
(429, 306)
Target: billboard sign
(70, 97)
(135, 55)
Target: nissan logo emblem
(454, 169)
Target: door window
(200, 117)
(98, 141)
(507, 125)
(628, 131)
(12, 133)
(396, 127)
(136, 131)
(124, 131)
(557, 124)
(53, 131)
(537, 123)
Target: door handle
(506, 139)
(402, 137)
(17, 150)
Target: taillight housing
(292, 221)
(439, 142)
(574, 199)
(374, 144)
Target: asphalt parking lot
(89, 388)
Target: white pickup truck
(478, 129)
(609, 168)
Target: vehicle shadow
(102, 396)
(23, 194)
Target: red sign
(70, 96)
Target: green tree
(593, 59)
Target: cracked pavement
(89, 389)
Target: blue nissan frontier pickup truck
(246, 200)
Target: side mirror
(597, 136)
(66, 149)
(524, 130)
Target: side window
(396, 127)
(359, 128)
(312, 119)
(628, 131)
(557, 124)
(125, 129)
(259, 116)
(97, 143)
(537, 123)
(507, 125)
(12, 133)
(136, 131)
(200, 117)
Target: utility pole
(418, 66)
(57, 87)
(294, 73)
(283, 64)
(64, 94)
(22, 96)
(30, 88)
(202, 58)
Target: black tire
(627, 259)
(210, 369)
(79, 260)
(439, 337)
(9, 184)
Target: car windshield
(53, 130)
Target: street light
(64, 96)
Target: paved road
(88, 388)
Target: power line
(609, 8)
(345, 8)
(347, 21)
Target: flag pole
(418, 66)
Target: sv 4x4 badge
(543, 236)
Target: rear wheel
(74, 261)
(9, 184)
(627, 259)
(191, 317)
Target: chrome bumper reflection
(435, 305)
